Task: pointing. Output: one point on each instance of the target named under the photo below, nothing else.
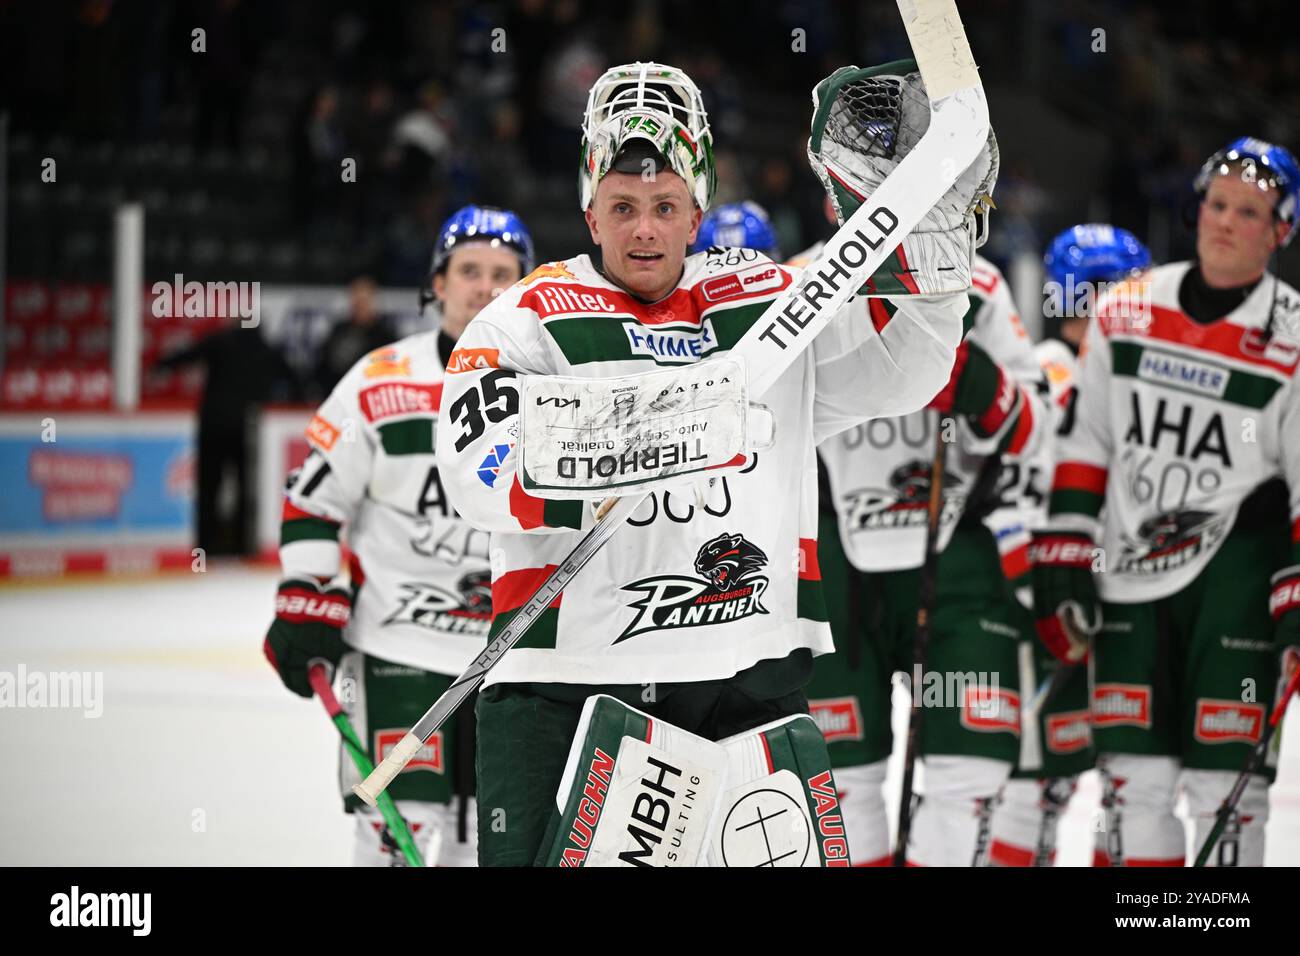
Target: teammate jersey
(879, 471)
(1175, 423)
(688, 591)
(1020, 496)
(423, 594)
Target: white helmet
(655, 103)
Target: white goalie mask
(655, 103)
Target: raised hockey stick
(957, 132)
(1252, 766)
(921, 646)
(318, 676)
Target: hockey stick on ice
(921, 645)
(957, 132)
(317, 675)
(1252, 766)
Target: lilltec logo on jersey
(1170, 540)
(321, 433)
(490, 467)
(1228, 721)
(991, 710)
(671, 345)
(732, 589)
(758, 278)
(472, 360)
(1180, 372)
(397, 398)
(905, 502)
(1068, 733)
(1121, 705)
(552, 300)
(439, 609)
(428, 757)
(838, 718)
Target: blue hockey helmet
(742, 224)
(497, 227)
(1094, 252)
(1270, 166)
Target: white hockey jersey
(1175, 423)
(423, 586)
(879, 471)
(687, 591)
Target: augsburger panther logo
(1170, 540)
(732, 588)
(906, 502)
(439, 609)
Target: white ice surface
(201, 756)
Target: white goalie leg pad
(589, 437)
(425, 821)
(862, 799)
(636, 791)
(453, 851)
(781, 806)
(1139, 827)
(951, 823)
(1025, 821)
(1242, 842)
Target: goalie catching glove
(865, 121)
(308, 626)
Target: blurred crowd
(441, 102)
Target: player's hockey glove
(308, 626)
(864, 122)
(1284, 605)
(1066, 609)
(978, 389)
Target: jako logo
(103, 909)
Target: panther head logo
(727, 559)
(1172, 527)
(476, 592)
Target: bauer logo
(838, 718)
(1228, 721)
(428, 757)
(991, 710)
(1121, 705)
(1182, 373)
(671, 345)
(1068, 733)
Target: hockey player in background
(1187, 414)
(872, 547)
(738, 225)
(1055, 735)
(629, 625)
(420, 590)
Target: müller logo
(796, 315)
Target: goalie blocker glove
(1066, 609)
(865, 121)
(308, 626)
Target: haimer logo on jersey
(671, 345)
(732, 589)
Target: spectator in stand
(242, 371)
(361, 332)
